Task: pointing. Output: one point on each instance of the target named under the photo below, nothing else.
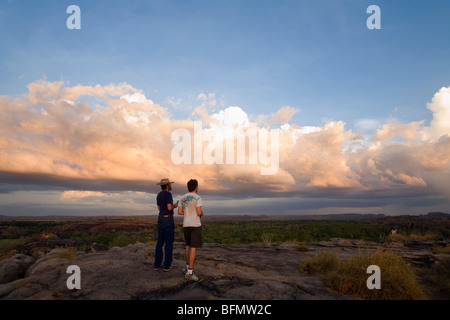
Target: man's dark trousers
(166, 234)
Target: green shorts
(193, 237)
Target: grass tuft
(68, 253)
(349, 277)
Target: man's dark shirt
(162, 199)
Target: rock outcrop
(14, 268)
(227, 272)
(256, 272)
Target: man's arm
(199, 211)
(170, 205)
(180, 210)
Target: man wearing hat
(166, 225)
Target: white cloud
(440, 106)
(208, 99)
(51, 131)
(364, 125)
(137, 98)
(232, 118)
(175, 103)
(76, 194)
(284, 115)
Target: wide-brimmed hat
(164, 182)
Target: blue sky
(315, 56)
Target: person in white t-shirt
(191, 208)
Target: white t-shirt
(190, 201)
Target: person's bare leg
(190, 271)
(192, 254)
(188, 250)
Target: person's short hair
(192, 184)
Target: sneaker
(191, 277)
(156, 268)
(168, 269)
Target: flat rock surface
(255, 272)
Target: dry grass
(301, 247)
(7, 247)
(441, 250)
(68, 253)
(267, 238)
(397, 237)
(321, 264)
(349, 277)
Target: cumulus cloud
(440, 107)
(409, 131)
(284, 115)
(124, 143)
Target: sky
(357, 120)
